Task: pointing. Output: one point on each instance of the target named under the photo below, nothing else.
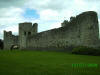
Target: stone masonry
(82, 30)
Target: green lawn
(46, 63)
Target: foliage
(86, 50)
(1, 44)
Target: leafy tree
(1, 44)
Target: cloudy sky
(48, 14)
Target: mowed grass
(46, 63)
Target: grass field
(46, 63)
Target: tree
(1, 44)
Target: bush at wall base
(86, 51)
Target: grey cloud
(3, 26)
(58, 4)
(7, 5)
(49, 4)
(11, 3)
(1, 36)
(92, 0)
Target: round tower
(89, 28)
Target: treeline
(1, 44)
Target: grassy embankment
(46, 63)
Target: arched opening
(14, 47)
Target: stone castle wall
(10, 40)
(82, 30)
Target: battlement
(35, 24)
(25, 26)
(7, 33)
(25, 23)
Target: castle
(82, 30)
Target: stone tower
(26, 29)
(88, 28)
(7, 39)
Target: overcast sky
(48, 14)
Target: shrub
(85, 50)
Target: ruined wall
(64, 23)
(82, 30)
(10, 40)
